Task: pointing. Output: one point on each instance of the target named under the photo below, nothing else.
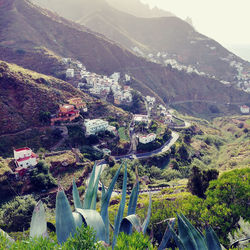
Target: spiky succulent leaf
(38, 225)
(105, 203)
(212, 240)
(199, 238)
(128, 222)
(177, 239)
(147, 220)
(120, 212)
(167, 235)
(65, 223)
(133, 199)
(95, 189)
(186, 235)
(93, 219)
(89, 192)
(103, 190)
(133, 202)
(76, 197)
(78, 219)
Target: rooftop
(22, 149)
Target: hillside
(170, 36)
(138, 8)
(24, 94)
(36, 39)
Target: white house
(244, 109)
(140, 118)
(70, 73)
(150, 100)
(127, 78)
(116, 76)
(24, 157)
(144, 139)
(95, 126)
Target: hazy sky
(226, 21)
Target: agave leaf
(119, 215)
(95, 189)
(103, 190)
(133, 202)
(38, 225)
(93, 219)
(212, 240)
(133, 199)
(105, 203)
(186, 235)
(128, 222)
(166, 235)
(65, 223)
(76, 197)
(146, 222)
(177, 239)
(199, 238)
(89, 192)
(78, 219)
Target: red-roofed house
(144, 139)
(244, 109)
(67, 112)
(24, 158)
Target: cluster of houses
(168, 118)
(101, 86)
(69, 112)
(98, 85)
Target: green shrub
(170, 174)
(136, 241)
(41, 178)
(15, 215)
(83, 239)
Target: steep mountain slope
(24, 94)
(171, 36)
(25, 28)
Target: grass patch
(123, 134)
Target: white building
(95, 126)
(24, 157)
(140, 118)
(70, 73)
(116, 76)
(127, 78)
(144, 139)
(244, 109)
(150, 99)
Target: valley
(124, 119)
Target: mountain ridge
(98, 54)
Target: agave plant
(191, 239)
(85, 212)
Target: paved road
(163, 149)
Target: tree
(198, 181)
(41, 178)
(44, 117)
(183, 152)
